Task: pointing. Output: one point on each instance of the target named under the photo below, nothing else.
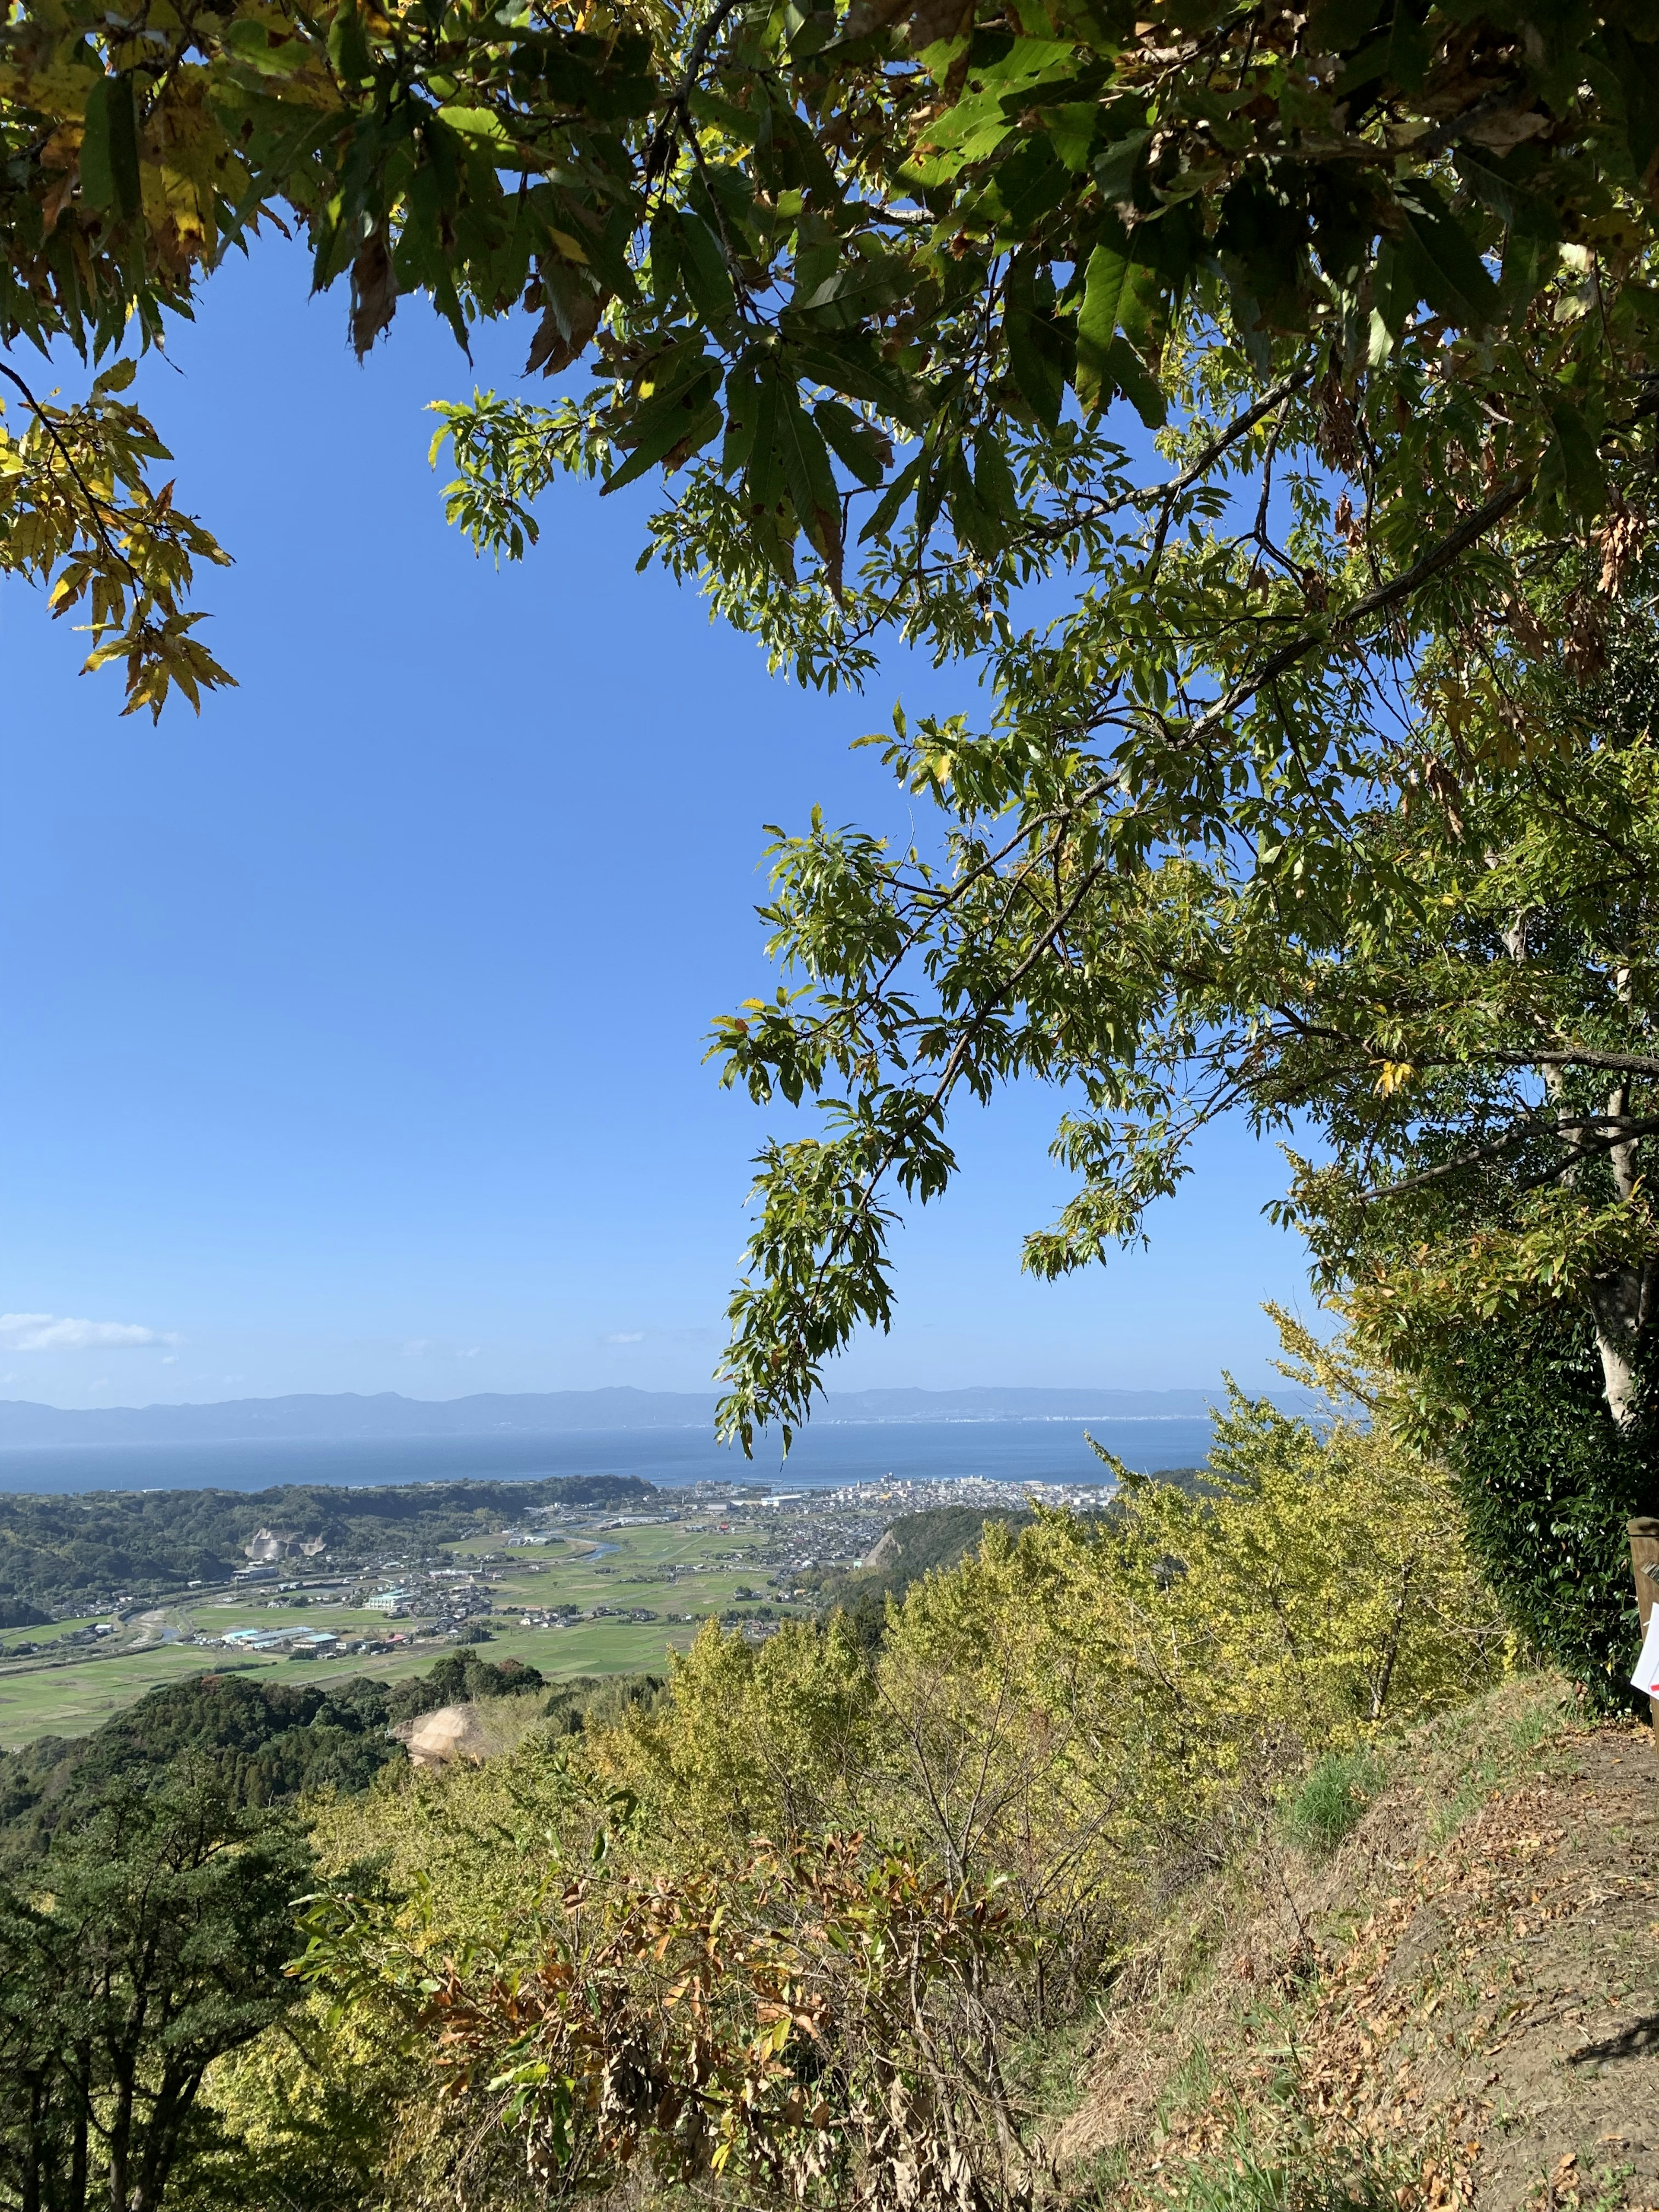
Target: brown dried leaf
(1619, 540)
(570, 316)
(939, 19)
(373, 292)
(1510, 127)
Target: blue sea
(824, 1457)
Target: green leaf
(887, 513)
(742, 407)
(1026, 185)
(479, 126)
(810, 479)
(1400, 58)
(109, 149)
(1637, 66)
(249, 43)
(348, 49)
(1445, 259)
(993, 480)
(847, 361)
(854, 441)
(763, 483)
(1580, 465)
(683, 411)
(1108, 287)
(1524, 212)
(1071, 128)
(664, 260)
(703, 271)
(1115, 167)
(1036, 345)
(1129, 374)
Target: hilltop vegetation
(833, 1919)
(925, 1543)
(893, 1878)
(70, 1551)
(264, 1743)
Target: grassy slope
(1460, 2003)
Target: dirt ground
(1464, 1999)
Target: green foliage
(261, 1742)
(599, 1701)
(579, 1961)
(773, 1739)
(1068, 1707)
(1329, 1805)
(914, 1545)
(148, 1945)
(417, 151)
(1246, 2179)
(1548, 1483)
(458, 1676)
(60, 1548)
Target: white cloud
(22, 1331)
(467, 1351)
(414, 1347)
(626, 1336)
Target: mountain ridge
(340, 1417)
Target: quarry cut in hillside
(1460, 2006)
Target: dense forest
(71, 1551)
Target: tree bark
(77, 2196)
(1619, 1303)
(120, 2140)
(1621, 1300)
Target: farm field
(674, 1569)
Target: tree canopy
(1314, 350)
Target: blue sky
(352, 1034)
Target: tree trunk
(120, 2140)
(77, 2194)
(1621, 1301)
(1619, 1304)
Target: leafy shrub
(1546, 1483)
(808, 2025)
(600, 1701)
(1249, 2182)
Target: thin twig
(662, 138)
(1469, 531)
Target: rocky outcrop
(435, 1739)
(266, 1545)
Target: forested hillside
(70, 1551)
(264, 1743)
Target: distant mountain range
(347, 1416)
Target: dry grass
(1458, 2005)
